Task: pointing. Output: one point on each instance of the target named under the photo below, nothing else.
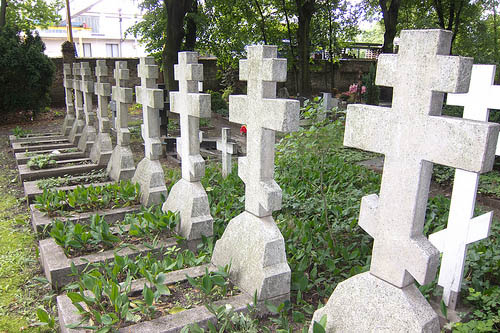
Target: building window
(87, 50)
(112, 50)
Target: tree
(305, 12)
(390, 10)
(29, 14)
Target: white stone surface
(227, 149)
(69, 119)
(365, 303)
(121, 165)
(252, 243)
(89, 131)
(79, 123)
(187, 196)
(149, 173)
(463, 228)
(103, 147)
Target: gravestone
(103, 147)
(463, 228)
(252, 243)
(149, 172)
(121, 164)
(69, 119)
(412, 135)
(78, 124)
(327, 103)
(227, 149)
(187, 196)
(87, 86)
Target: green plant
(372, 91)
(486, 316)
(94, 176)
(44, 161)
(212, 284)
(45, 319)
(219, 105)
(312, 108)
(20, 132)
(205, 122)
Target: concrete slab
(23, 158)
(35, 137)
(19, 147)
(25, 173)
(31, 189)
(40, 220)
(57, 266)
(165, 324)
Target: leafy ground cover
(94, 176)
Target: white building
(98, 29)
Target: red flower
(243, 130)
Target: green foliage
(44, 161)
(219, 105)
(20, 132)
(486, 316)
(26, 73)
(94, 176)
(372, 91)
(90, 198)
(29, 14)
(212, 284)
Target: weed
(43, 161)
(20, 132)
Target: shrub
(26, 73)
(372, 91)
(219, 105)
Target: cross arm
(369, 127)
(102, 89)
(452, 74)
(280, 114)
(238, 109)
(152, 98)
(122, 95)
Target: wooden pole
(69, 28)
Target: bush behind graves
(26, 73)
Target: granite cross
(78, 91)
(103, 90)
(412, 135)
(87, 87)
(227, 149)
(190, 105)
(463, 228)
(263, 114)
(68, 87)
(122, 96)
(151, 99)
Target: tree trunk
(3, 13)
(454, 14)
(176, 11)
(305, 10)
(390, 22)
(262, 22)
(294, 65)
(495, 32)
(191, 28)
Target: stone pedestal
(191, 201)
(256, 250)
(365, 303)
(121, 165)
(101, 151)
(149, 175)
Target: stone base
(87, 139)
(365, 303)
(191, 201)
(68, 124)
(102, 149)
(76, 131)
(255, 249)
(149, 175)
(121, 165)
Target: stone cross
(123, 97)
(463, 228)
(151, 99)
(227, 149)
(87, 87)
(190, 105)
(103, 91)
(78, 91)
(263, 114)
(412, 135)
(70, 106)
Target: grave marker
(227, 149)
(149, 172)
(87, 87)
(252, 242)
(78, 124)
(188, 197)
(103, 147)
(121, 165)
(412, 135)
(463, 228)
(70, 106)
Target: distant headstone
(121, 165)
(103, 147)
(252, 243)
(149, 173)
(69, 119)
(463, 228)
(283, 93)
(227, 149)
(187, 196)
(79, 123)
(87, 86)
(412, 136)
